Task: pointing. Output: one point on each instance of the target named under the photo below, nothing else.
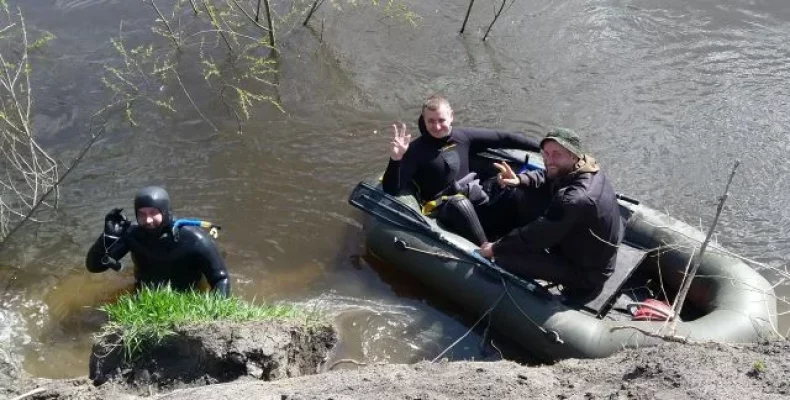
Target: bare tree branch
(30, 173)
(681, 298)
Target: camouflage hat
(565, 138)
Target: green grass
(148, 316)
(759, 367)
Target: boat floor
(622, 306)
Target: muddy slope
(216, 353)
(670, 371)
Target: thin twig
(345, 361)
(35, 207)
(229, 32)
(233, 109)
(194, 6)
(496, 17)
(214, 22)
(167, 24)
(7, 28)
(668, 338)
(253, 20)
(677, 305)
(661, 278)
(30, 393)
(189, 97)
(25, 159)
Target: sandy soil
(670, 371)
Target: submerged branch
(253, 20)
(313, 9)
(215, 23)
(497, 13)
(194, 6)
(191, 101)
(167, 24)
(466, 18)
(271, 24)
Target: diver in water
(162, 251)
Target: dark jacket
(434, 164)
(161, 260)
(582, 221)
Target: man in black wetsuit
(436, 160)
(159, 256)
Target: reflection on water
(666, 94)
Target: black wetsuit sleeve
(116, 249)
(211, 264)
(483, 138)
(400, 173)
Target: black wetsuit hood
(156, 197)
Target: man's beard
(558, 172)
(153, 233)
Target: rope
(542, 329)
(488, 312)
(485, 314)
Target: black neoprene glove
(115, 223)
(115, 226)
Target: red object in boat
(652, 310)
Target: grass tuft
(758, 367)
(145, 318)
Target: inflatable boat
(728, 301)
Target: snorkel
(157, 197)
(213, 230)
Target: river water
(665, 93)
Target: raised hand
(400, 141)
(506, 175)
(115, 223)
